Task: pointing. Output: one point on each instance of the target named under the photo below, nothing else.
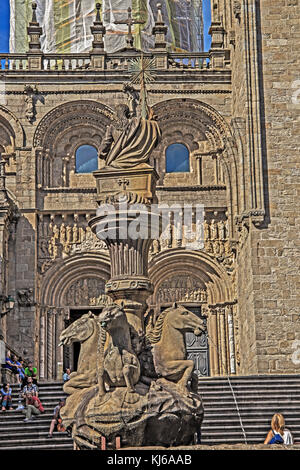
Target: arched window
(177, 159)
(86, 159)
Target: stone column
(49, 344)
(129, 283)
(223, 348)
(43, 342)
(213, 343)
(231, 339)
(59, 360)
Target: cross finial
(129, 22)
(143, 72)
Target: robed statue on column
(129, 142)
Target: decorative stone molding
(25, 297)
(64, 116)
(64, 235)
(31, 93)
(55, 282)
(196, 264)
(237, 9)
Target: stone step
(246, 389)
(40, 433)
(252, 411)
(45, 446)
(258, 398)
(251, 378)
(234, 420)
(26, 443)
(251, 429)
(20, 427)
(251, 398)
(19, 422)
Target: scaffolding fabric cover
(66, 24)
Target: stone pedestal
(128, 194)
(140, 181)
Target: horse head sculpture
(85, 331)
(168, 344)
(121, 365)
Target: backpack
(276, 439)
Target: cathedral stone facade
(233, 115)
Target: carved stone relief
(181, 289)
(69, 239)
(64, 235)
(88, 291)
(216, 240)
(60, 133)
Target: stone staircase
(257, 397)
(17, 435)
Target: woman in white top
(278, 430)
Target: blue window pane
(177, 159)
(86, 159)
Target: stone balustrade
(193, 62)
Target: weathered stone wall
(276, 264)
(269, 261)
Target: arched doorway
(69, 289)
(195, 280)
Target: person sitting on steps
(30, 387)
(33, 407)
(56, 417)
(10, 364)
(31, 371)
(18, 363)
(6, 400)
(278, 433)
(66, 375)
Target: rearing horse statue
(168, 344)
(86, 331)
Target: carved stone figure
(31, 92)
(84, 330)
(25, 297)
(130, 141)
(213, 230)
(169, 348)
(121, 366)
(222, 230)
(107, 396)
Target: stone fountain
(134, 384)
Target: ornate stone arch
(211, 135)
(63, 274)
(218, 302)
(65, 115)
(199, 264)
(60, 132)
(12, 127)
(53, 308)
